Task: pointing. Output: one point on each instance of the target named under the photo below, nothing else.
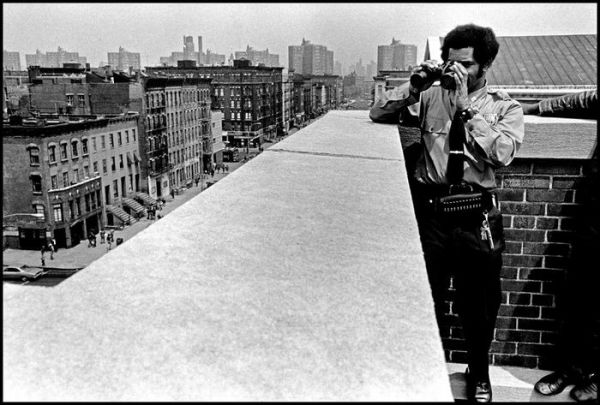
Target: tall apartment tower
(396, 56)
(124, 60)
(188, 48)
(11, 60)
(310, 59)
(200, 55)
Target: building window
(66, 179)
(133, 133)
(72, 209)
(103, 141)
(39, 209)
(58, 212)
(52, 153)
(63, 151)
(94, 143)
(70, 100)
(121, 161)
(119, 138)
(95, 168)
(75, 176)
(54, 181)
(81, 100)
(86, 171)
(34, 156)
(74, 148)
(115, 188)
(113, 165)
(84, 146)
(112, 140)
(36, 183)
(126, 136)
(104, 167)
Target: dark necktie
(455, 169)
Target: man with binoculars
(467, 131)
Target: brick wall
(539, 199)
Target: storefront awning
(136, 158)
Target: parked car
(24, 273)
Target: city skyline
(352, 31)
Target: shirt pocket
(436, 125)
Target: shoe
(478, 390)
(587, 390)
(557, 381)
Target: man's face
(464, 56)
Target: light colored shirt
(494, 134)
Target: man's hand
(461, 77)
(426, 66)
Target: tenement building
(177, 132)
(61, 178)
(249, 96)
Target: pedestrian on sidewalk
(109, 239)
(102, 235)
(172, 193)
(51, 249)
(43, 255)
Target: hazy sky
(350, 30)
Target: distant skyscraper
(54, 59)
(188, 48)
(310, 59)
(371, 71)
(11, 60)
(258, 57)
(124, 60)
(337, 68)
(396, 56)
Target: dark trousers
(453, 247)
(579, 303)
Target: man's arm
(575, 105)
(388, 107)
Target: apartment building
(250, 98)
(53, 59)
(310, 59)
(396, 56)
(177, 131)
(11, 60)
(61, 177)
(257, 57)
(123, 60)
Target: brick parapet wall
(539, 199)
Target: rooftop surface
(299, 276)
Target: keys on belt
(486, 232)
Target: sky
(351, 30)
